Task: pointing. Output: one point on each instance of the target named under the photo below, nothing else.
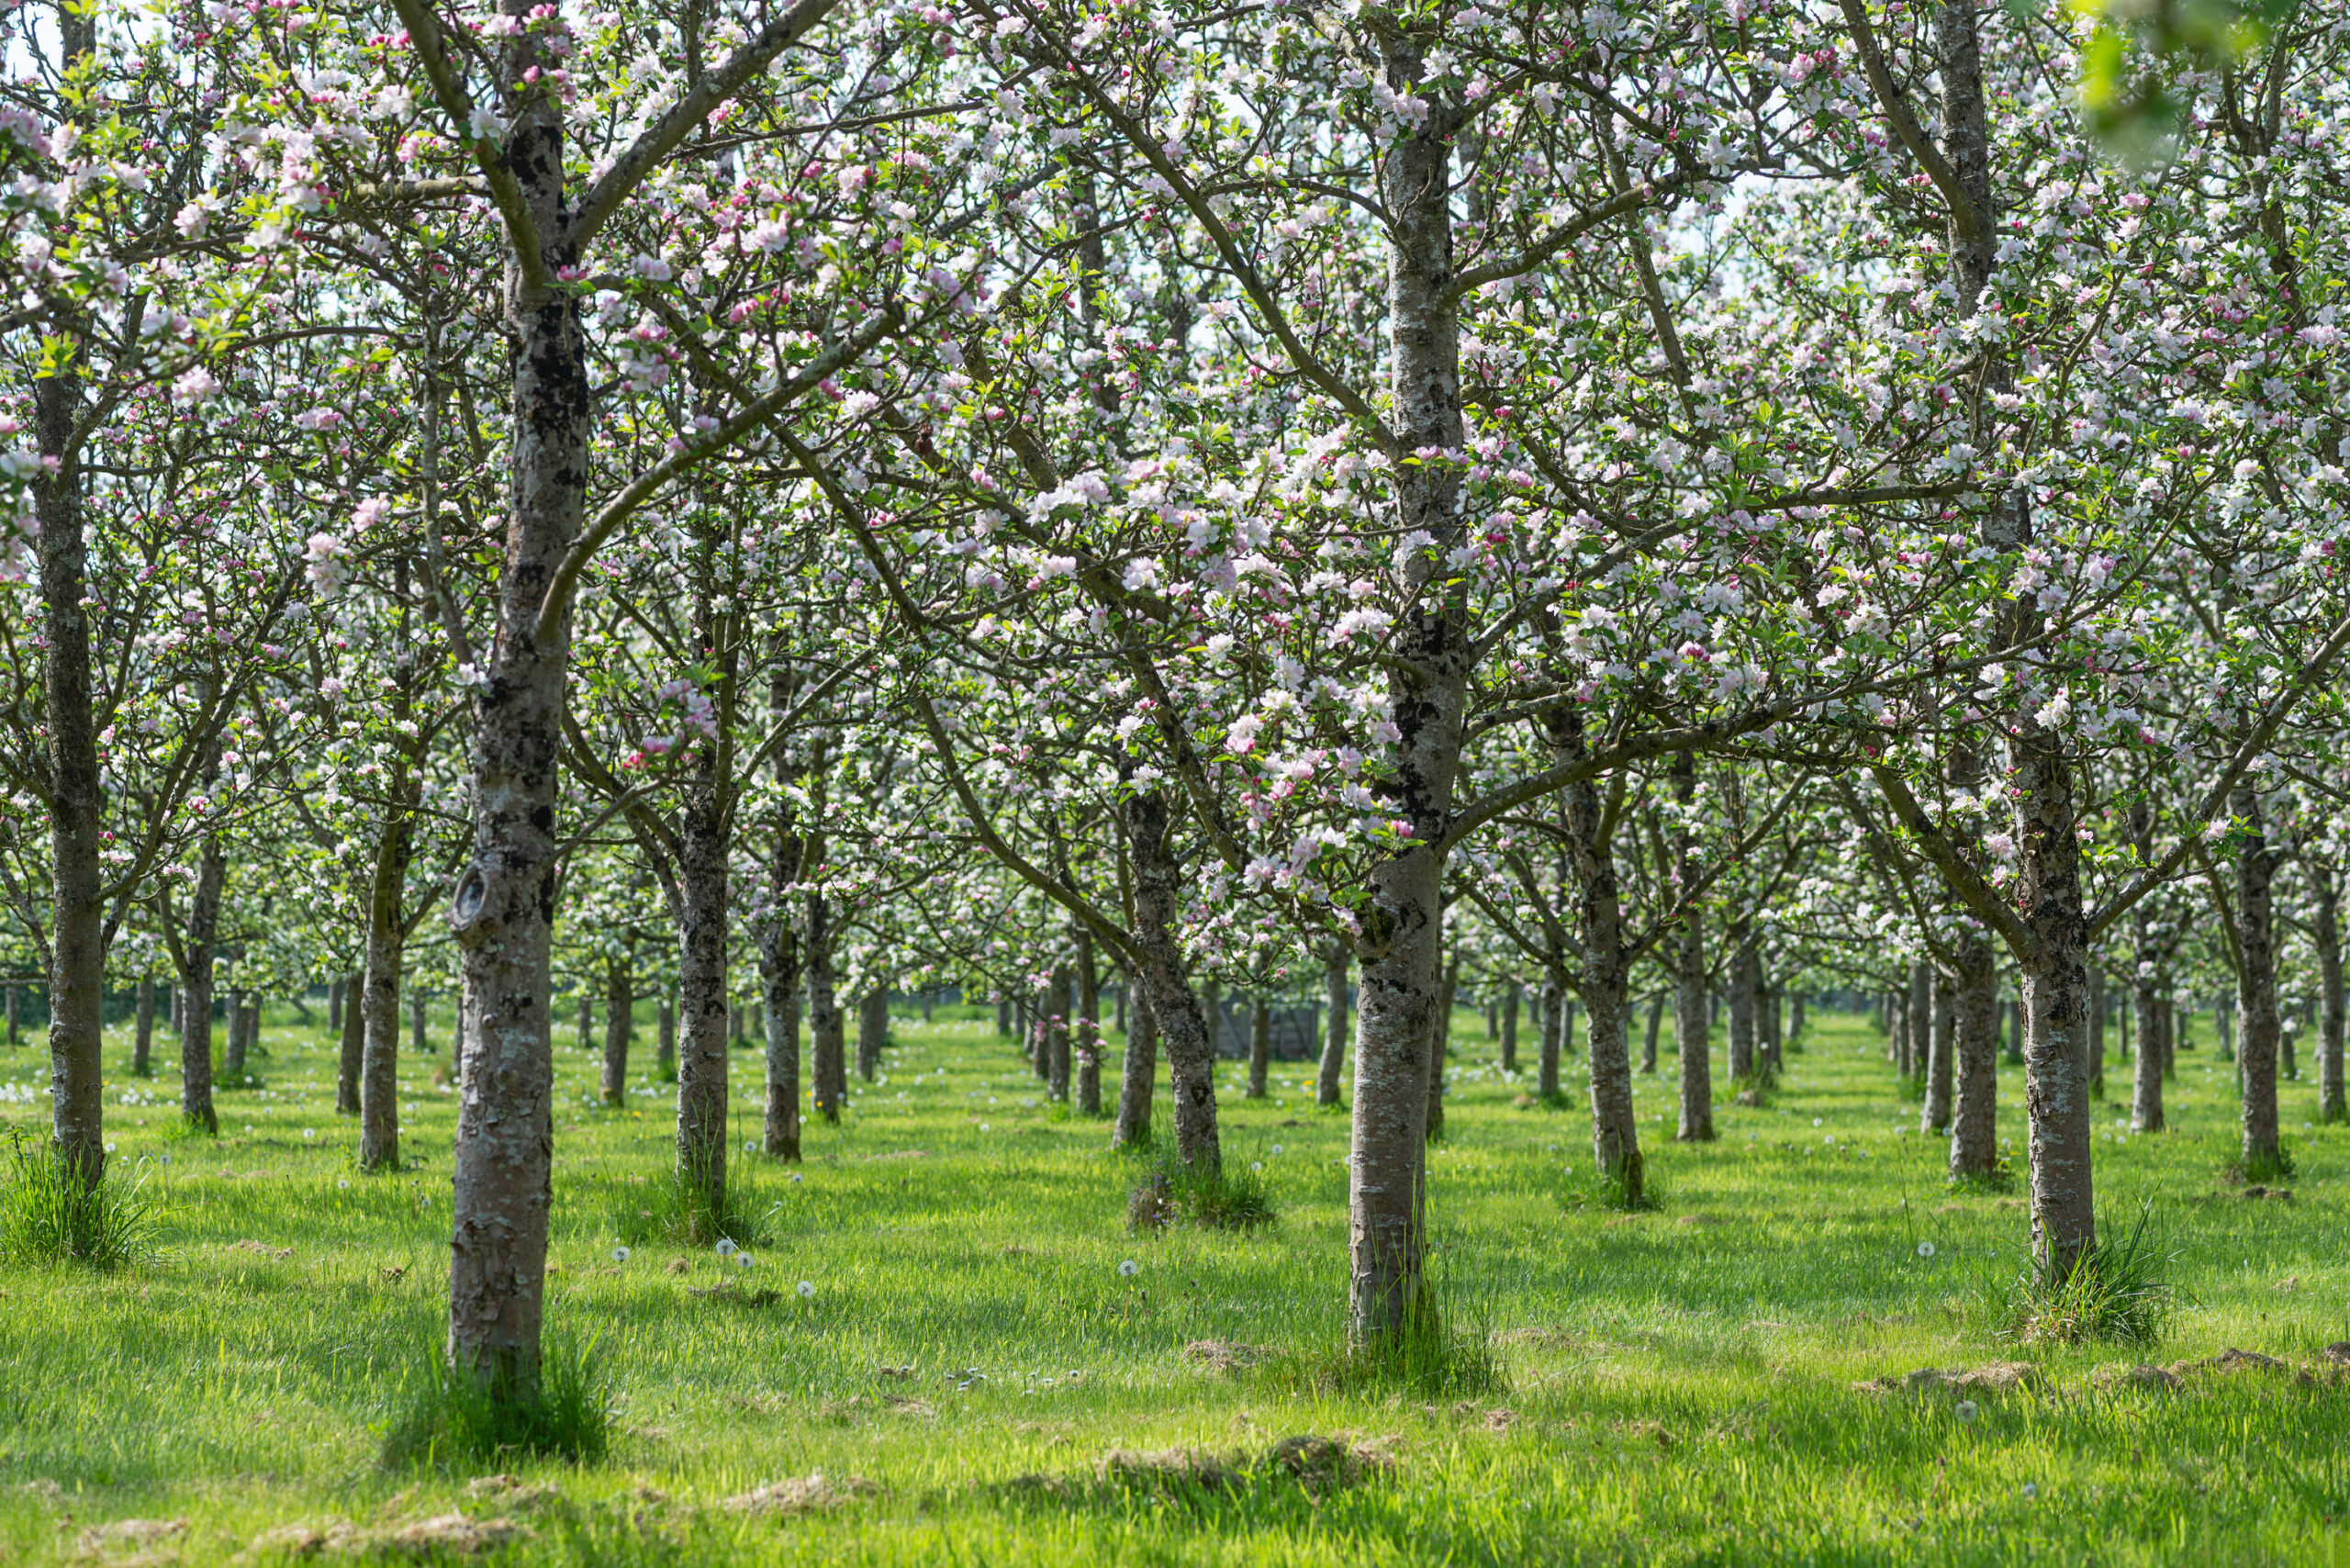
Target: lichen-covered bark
(2257, 982)
(827, 1047)
(379, 987)
(1741, 938)
(1334, 1043)
(2325, 935)
(704, 930)
(2055, 982)
(1686, 949)
(1974, 1051)
(1136, 1087)
(1260, 1045)
(1181, 1029)
(1942, 1044)
(503, 911)
(197, 941)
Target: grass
(1672, 1386)
(49, 1216)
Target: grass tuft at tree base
(2259, 1169)
(675, 1206)
(1172, 1193)
(2116, 1291)
(2000, 1178)
(454, 1419)
(1428, 1355)
(48, 1215)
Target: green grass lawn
(1678, 1386)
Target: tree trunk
(1648, 1041)
(664, 1036)
(1742, 1001)
(76, 791)
(233, 1055)
(1135, 1088)
(379, 996)
(1918, 1049)
(2096, 1031)
(1440, 1045)
(1606, 978)
(1975, 1051)
(825, 1047)
(620, 1016)
(780, 972)
(420, 1041)
(1054, 1041)
(704, 846)
(2326, 936)
(1795, 1019)
(872, 1030)
(2056, 981)
(1940, 1048)
(1428, 686)
(353, 1053)
(2256, 987)
(1003, 1016)
(1510, 1001)
(195, 991)
(1181, 1030)
(1088, 1046)
(1552, 1044)
(334, 1006)
(587, 1018)
(1766, 1041)
(142, 1042)
(1260, 1045)
(1334, 1044)
(1690, 1019)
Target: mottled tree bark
(2325, 933)
(1334, 1044)
(1933, 1115)
(1086, 1046)
(1975, 1050)
(1648, 1038)
(872, 1030)
(1181, 1029)
(1767, 1045)
(587, 1018)
(2256, 985)
(1427, 683)
(353, 1056)
(419, 1041)
(233, 1055)
(379, 987)
(1054, 1041)
(74, 787)
(664, 1036)
(2055, 980)
(705, 843)
(1511, 999)
(1260, 1045)
(2096, 1031)
(1136, 1086)
(825, 1047)
(1741, 938)
(1551, 1044)
(1687, 947)
(619, 1019)
(195, 990)
(1918, 1045)
(142, 1041)
(1439, 1047)
(1606, 978)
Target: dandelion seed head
(1129, 1267)
(807, 1289)
(1925, 1250)
(1966, 1410)
(620, 1254)
(726, 1247)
